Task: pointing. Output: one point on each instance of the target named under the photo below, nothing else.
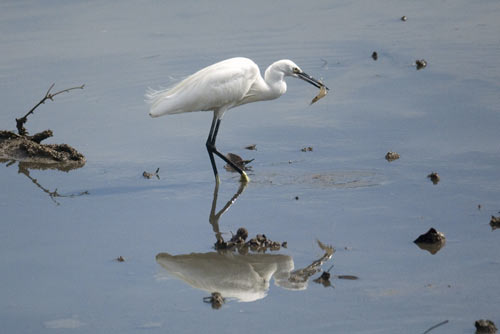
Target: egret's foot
(244, 178)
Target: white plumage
(223, 86)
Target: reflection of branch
(52, 194)
(21, 121)
(302, 275)
(214, 217)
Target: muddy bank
(30, 151)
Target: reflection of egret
(223, 86)
(245, 277)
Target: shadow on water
(24, 168)
(239, 273)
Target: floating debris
(495, 222)
(391, 156)
(420, 63)
(215, 299)
(375, 55)
(434, 177)
(148, 175)
(120, 259)
(252, 147)
(296, 198)
(404, 18)
(307, 149)
(322, 93)
(432, 241)
(485, 326)
(238, 161)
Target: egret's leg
(210, 149)
(244, 176)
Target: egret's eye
(296, 70)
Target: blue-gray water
(57, 253)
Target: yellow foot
(244, 178)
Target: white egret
(222, 86)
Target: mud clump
(307, 149)
(434, 177)
(495, 222)
(260, 243)
(29, 149)
(485, 326)
(216, 300)
(420, 64)
(391, 156)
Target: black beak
(311, 80)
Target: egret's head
(289, 68)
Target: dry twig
(21, 121)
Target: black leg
(211, 147)
(212, 136)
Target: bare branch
(21, 121)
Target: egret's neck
(274, 79)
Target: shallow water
(61, 231)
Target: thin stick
(21, 121)
(435, 326)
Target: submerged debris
(495, 222)
(307, 149)
(252, 147)
(375, 55)
(322, 93)
(148, 175)
(238, 161)
(391, 156)
(421, 63)
(434, 177)
(485, 326)
(432, 241)
(215, 299)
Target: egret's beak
(311, 80)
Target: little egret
(222, 86)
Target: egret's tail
(154, 98)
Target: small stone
(485, 326)
(404, 18)
(432, 236)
